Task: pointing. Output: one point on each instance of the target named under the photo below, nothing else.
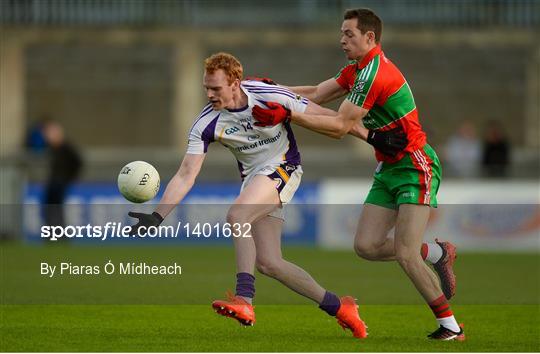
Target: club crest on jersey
(358, 87)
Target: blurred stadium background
(123, 77)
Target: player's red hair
(226, 62)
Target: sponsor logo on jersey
(270, 140)
(231, 130)
(253, 137)
(259, 143)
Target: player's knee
(236, 215)
(366, 250)
(267, 266)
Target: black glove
(145, 220)
(389, 142)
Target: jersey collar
(249, 103)
(248, 94)
(369, 56)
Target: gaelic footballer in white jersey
(270, 151)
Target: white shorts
(288, 178)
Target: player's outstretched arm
(358, 130)
(181, 183)
(315, 109)
(348, 120)
(176, 190)
(336, 125)
(326, 91)
(315, 117)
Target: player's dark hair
(367, 21)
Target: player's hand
(145, 220)
(389, 142)
(266, 80)
(273, 115)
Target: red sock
(424, 251)
(440, 307)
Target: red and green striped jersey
(377, 85)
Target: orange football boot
(237, 308)
(348, 317)
(445, 268)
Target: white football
(138, 181)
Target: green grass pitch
(498, 302)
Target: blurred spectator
(64, 167)
(496, 151)
(462, 152)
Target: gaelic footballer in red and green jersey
(377, 85)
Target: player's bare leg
(253, 203)
(410, 227)
(372, 243)
(267, 236)
(257, 200)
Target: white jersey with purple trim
(254, 147)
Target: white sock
(434, 252)
(450, 323)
